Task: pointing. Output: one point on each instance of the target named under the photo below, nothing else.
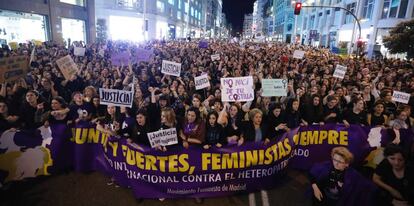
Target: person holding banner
(232, 122)
(32, 110)
(80, 110)
(215, 134)
(137, 131)
(336, 183)
(7, 120)
(168, 120)
(377, 118)
(357, 114)
(331, 112)
(293, 116)
(395, 177)
(193, 130)
(59, 112)
(276, 121)
(312, 112)
(254, 130)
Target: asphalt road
(91, 189)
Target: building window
(179, 4)
(74, 2)
(171, 2)
(73, 29)
(348, 17)
(367, 10)
(305, 22)
(160, 6)
(312, 22)
(394, 9)
(178, 14)
(127, 3)
(192, 12)
(186, 8)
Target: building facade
(139, 20)
(247, 26)
(284, 21)
(41, 20)
(213, 21)
(336, 28)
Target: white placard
(67, 66)
(116, 97)
(215, 57)
(79, 51)
(201, 81)
(400, 97)
(274, 87)
(171, 68)
(298, 54)
(101, 52)
(163, 137)
(340, 71)
(252, 47)
(237, 89)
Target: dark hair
(392, 149)
(61, 101)
(196, 111)
(208, 117)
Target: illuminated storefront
(126, 28)
(22, 27)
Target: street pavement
(91, 189)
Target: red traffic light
(298, 7)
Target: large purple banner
(179, 172)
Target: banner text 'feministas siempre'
(179, 172)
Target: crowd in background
(314, 96)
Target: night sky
(235, 11)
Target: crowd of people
(314, 96)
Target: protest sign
(116, 97)
(67, 66)
(101, 52)
(298, 54)
(79, 51)
(142, 55)
(171, 68)
(400, 97)
(203, 44)
(237, 89)
(13, 68)
(340, 71)
(179, 172)
(201, 82)
(163, 137)
(274, 87)
(215, 57)
(121, 58)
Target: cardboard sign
(215, 57)
(67, 66)
(116, 97)
(274, 87)
(79, 51)
(340, 71)
(401, 97)
(13, 68)
(238, 89)
(201, 82)
(171, 68)
(163, 137)
(298, 54)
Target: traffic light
(298, 7)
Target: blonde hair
(253, 113)
(169, 115)
(344, 153)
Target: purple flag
(120, 58)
